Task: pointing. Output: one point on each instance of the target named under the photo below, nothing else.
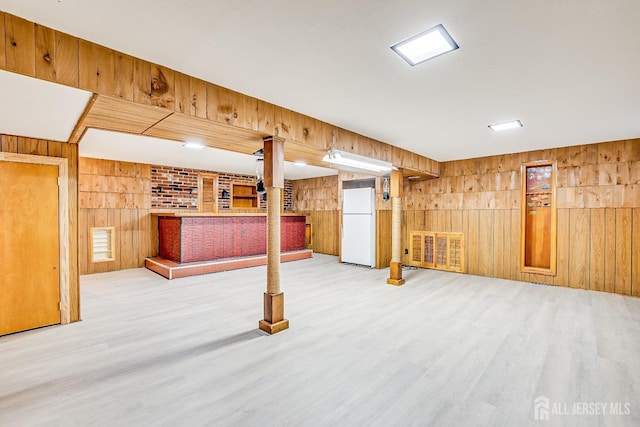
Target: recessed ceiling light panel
(426, 45)
(507, 125)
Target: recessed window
(506, 125)
(426, 45)
(102, 244)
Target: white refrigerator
(359, 226)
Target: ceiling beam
(85, 65)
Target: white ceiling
(38, 109)
(567, 69)
(144, 149)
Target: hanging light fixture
(260, 176)
(385, 188)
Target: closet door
(29, 246)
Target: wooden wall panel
(221, 104)
(499, 237)
(198, 98)
(266, 117)
(472, 242)
(610, 251)
(324, 225)
(116, 194)
(96, 68)
(465, 230)
(45, 53)
(163, 87)
(20, 45)
(383, 238)
(70, 151)
(579, 227)
(635, 254)
(183, 94)
(597, 238)
(419, 221)
(141, 82)
(562, 266)
(67, 59)
(623, 236)
(83, 240)
(485, 243)
(3, 56)
(512, 244)
(123, 76)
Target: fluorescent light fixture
(351, 161)
(194, 145)
(299, 163)
(434, 42)
(506, 125)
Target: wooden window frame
(551, 271)
(63, 222)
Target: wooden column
(395, 269)
(274, 320)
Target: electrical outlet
(406, 251)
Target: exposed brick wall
(174, 188)
(288, 196)
(177, 188)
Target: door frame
(63, 221)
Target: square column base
(273, 328)
(274, 320)
(395, 274)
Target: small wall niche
(244, 196)
(538, 212)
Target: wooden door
(29, 246)
(207, 192)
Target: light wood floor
(443, 350)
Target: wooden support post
(274, 320)
(395, 269)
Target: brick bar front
(186, 239)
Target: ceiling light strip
(343, 158)
(506, 125)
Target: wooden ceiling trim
(123, 116)
(81, 127)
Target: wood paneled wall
(318, 199)
(116, 194)
(37, 51)
(598, 214)
(598, 248)
(39, 147)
